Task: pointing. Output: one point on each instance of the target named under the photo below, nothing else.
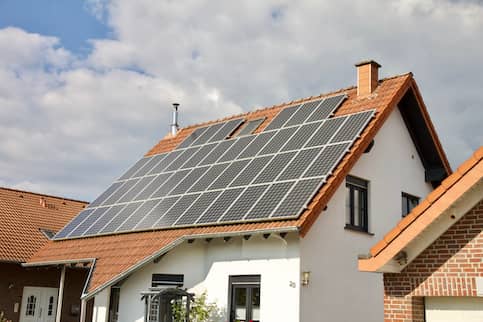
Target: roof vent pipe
(174, 124)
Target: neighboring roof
(117, 254)
(467, 177)
(22, 216)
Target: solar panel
(226, 130)
(251, 126)
(270, 200)
(278, 140)
(281, 118)
(303, 113)
(327, 108)
(298, 198)
(192, 137)
(197, 208)
(273, 169)
(208, 179)
(221, 204)
(239, 208)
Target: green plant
(200, 310)
(3, 318)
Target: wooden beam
(61, 295)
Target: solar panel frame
(299, 164)
(208, 134)
(270, 200)
(170, 184)
(122, 215)
(76, 221)
(136, 189)
(235, 150)
(303, 113)
(138, 215)
(103, 220)
(229, 174)
(275, 167)
(301, 137)
(211, 175)
(152, 187)
(189, 180)
(106, 194)
(172, 215)
(155, 159)
(192, 137)
(256, 145)
(191, 215)
(218, 208)
(199, 155)
(163, 164)
(88, 221)
(132, 170)
(251, 171)
(352, 127)
(251, 126)
(281, 118)
(120, 192)
(181, 159)
(324, 164)
(226, 130)
(149, 221)
(327, 108)
(217, 152)
(238, 209)
(326, 131)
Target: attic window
(408, 203)
(357, 204)
(47, 233)
(251, 126)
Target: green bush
(200, 310)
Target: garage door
(454, 309)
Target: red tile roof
(119, 253)
(463, 179)
(23, 213)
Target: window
(244, 298)
(31, 302)
(408, 202)
(50, 309)
(357, 204)
(157, 306)
(114, 304)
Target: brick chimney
(367, 77)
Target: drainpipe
(61, 295)
(174, 124)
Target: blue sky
(69, 20)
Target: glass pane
(51, 306)
(255, 304)
(413, 202)
(240, 304)
(404, 206)
(357, 209)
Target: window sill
(357, 229)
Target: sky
(86, 86)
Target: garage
(454, 309)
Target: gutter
(59, 262)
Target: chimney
(174, 125)
(367, 77)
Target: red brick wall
(14, 277)
(446, 268)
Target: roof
(464, 179)
(137, 247)
(23, 214)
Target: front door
(39, 304)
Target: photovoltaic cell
(218, 208)
(74, 223)
(149, 165)
(326, 131)
(298, 198)
(181, 159)
(300, 138)
(189, 180)
(99, 200)
(206, 136)
(157, 182)
(273, 169)
(139, 214)
(251, 126)
(239, 208)
(140, 185)
(303, 113)
(157, 213)
(327, 160)
(127, 211)
(299, 164)
(103, 220)
(165, 162)
(251, 171)
(192, 137)
(126, 186)
(80, 229)
(226, 130)
(177, 210)
(229, 174)
(236, 148)
(209, 177)
(256, 145)
(353, 126)
(197, 208)
(281, 118)
(132, 170)
(200, 155)
(270, 200)
(170, 183)
(327, 108)
(217, 152)
(278, 140)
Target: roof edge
(43, 195)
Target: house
(265, 212)
(432, 259)
(27, 221)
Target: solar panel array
(209, 179)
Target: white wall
(207, 266)
(101, 306)
(337, 290)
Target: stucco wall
(337, 290)
(207, 266)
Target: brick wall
(446, 268)
(14, 277)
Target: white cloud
(73, 124)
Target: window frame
(407, 197)
(248, 281)
(360, 186)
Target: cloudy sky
(86, 86)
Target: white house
(266, 212)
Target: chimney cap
(175, 105)
(367, 62)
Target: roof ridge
(285, 104)
(43, 195)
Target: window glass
(51, 306)
(356, 203)
(408, 203)
(31, 302)
(240, 304)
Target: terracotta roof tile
(23, 213)
(136, 247)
